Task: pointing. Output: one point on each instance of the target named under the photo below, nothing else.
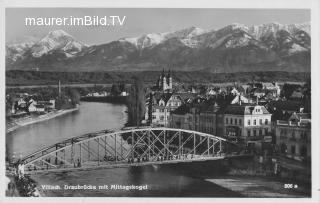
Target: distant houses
(32, 104)
(105, 94)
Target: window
(283, 148)
(161, 110)
(254, 133)
(260, 121)
(240, 121)
(266, 122)
(303, 136)
(153, 110)
(236, 121)
(254, 122)
(266, 131)
(248, 122)
(303, 151)
(161, 118)
(293, 149)
(248, 133)
(154, 117)
(231, 121)
(226, 120)
(260, 132)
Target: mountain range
(233, 48)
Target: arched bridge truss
(138, 146)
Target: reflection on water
(164, 181)
(90, 118)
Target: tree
(136, 102)
(74, 95)
(115, 91)
(9, 104)
(288, 89)
(203, 89)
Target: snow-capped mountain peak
(149, 40)
(57, 40)
(233, 46)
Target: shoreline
(41, 118)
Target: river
(167, 181)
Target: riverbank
(107, 99)
(32, 120)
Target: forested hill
(18, 77)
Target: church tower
(164, 82)
(170, 80)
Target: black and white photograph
(158, 102)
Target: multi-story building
(204, 115)
(246, 122)
(159, 107)
(293, 137)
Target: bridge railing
(128, 147)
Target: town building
(293, 136)
(40, 108)
(246, 122)
(32, 107)
(204, 115)
(272, 88)
(158, 107)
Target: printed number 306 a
(290, 186)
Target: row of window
(257, 132)
(236, 121)
(285, 134)
(160, 117)
(160, 110)
(260, 122)
(170, 104)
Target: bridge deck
(109, 149)
(94, 166)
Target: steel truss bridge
(130, 147)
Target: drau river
(177, 180)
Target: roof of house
(301, 116)
(236, 109)
(39, 105)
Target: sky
(141, 21)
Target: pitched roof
(243, 109)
